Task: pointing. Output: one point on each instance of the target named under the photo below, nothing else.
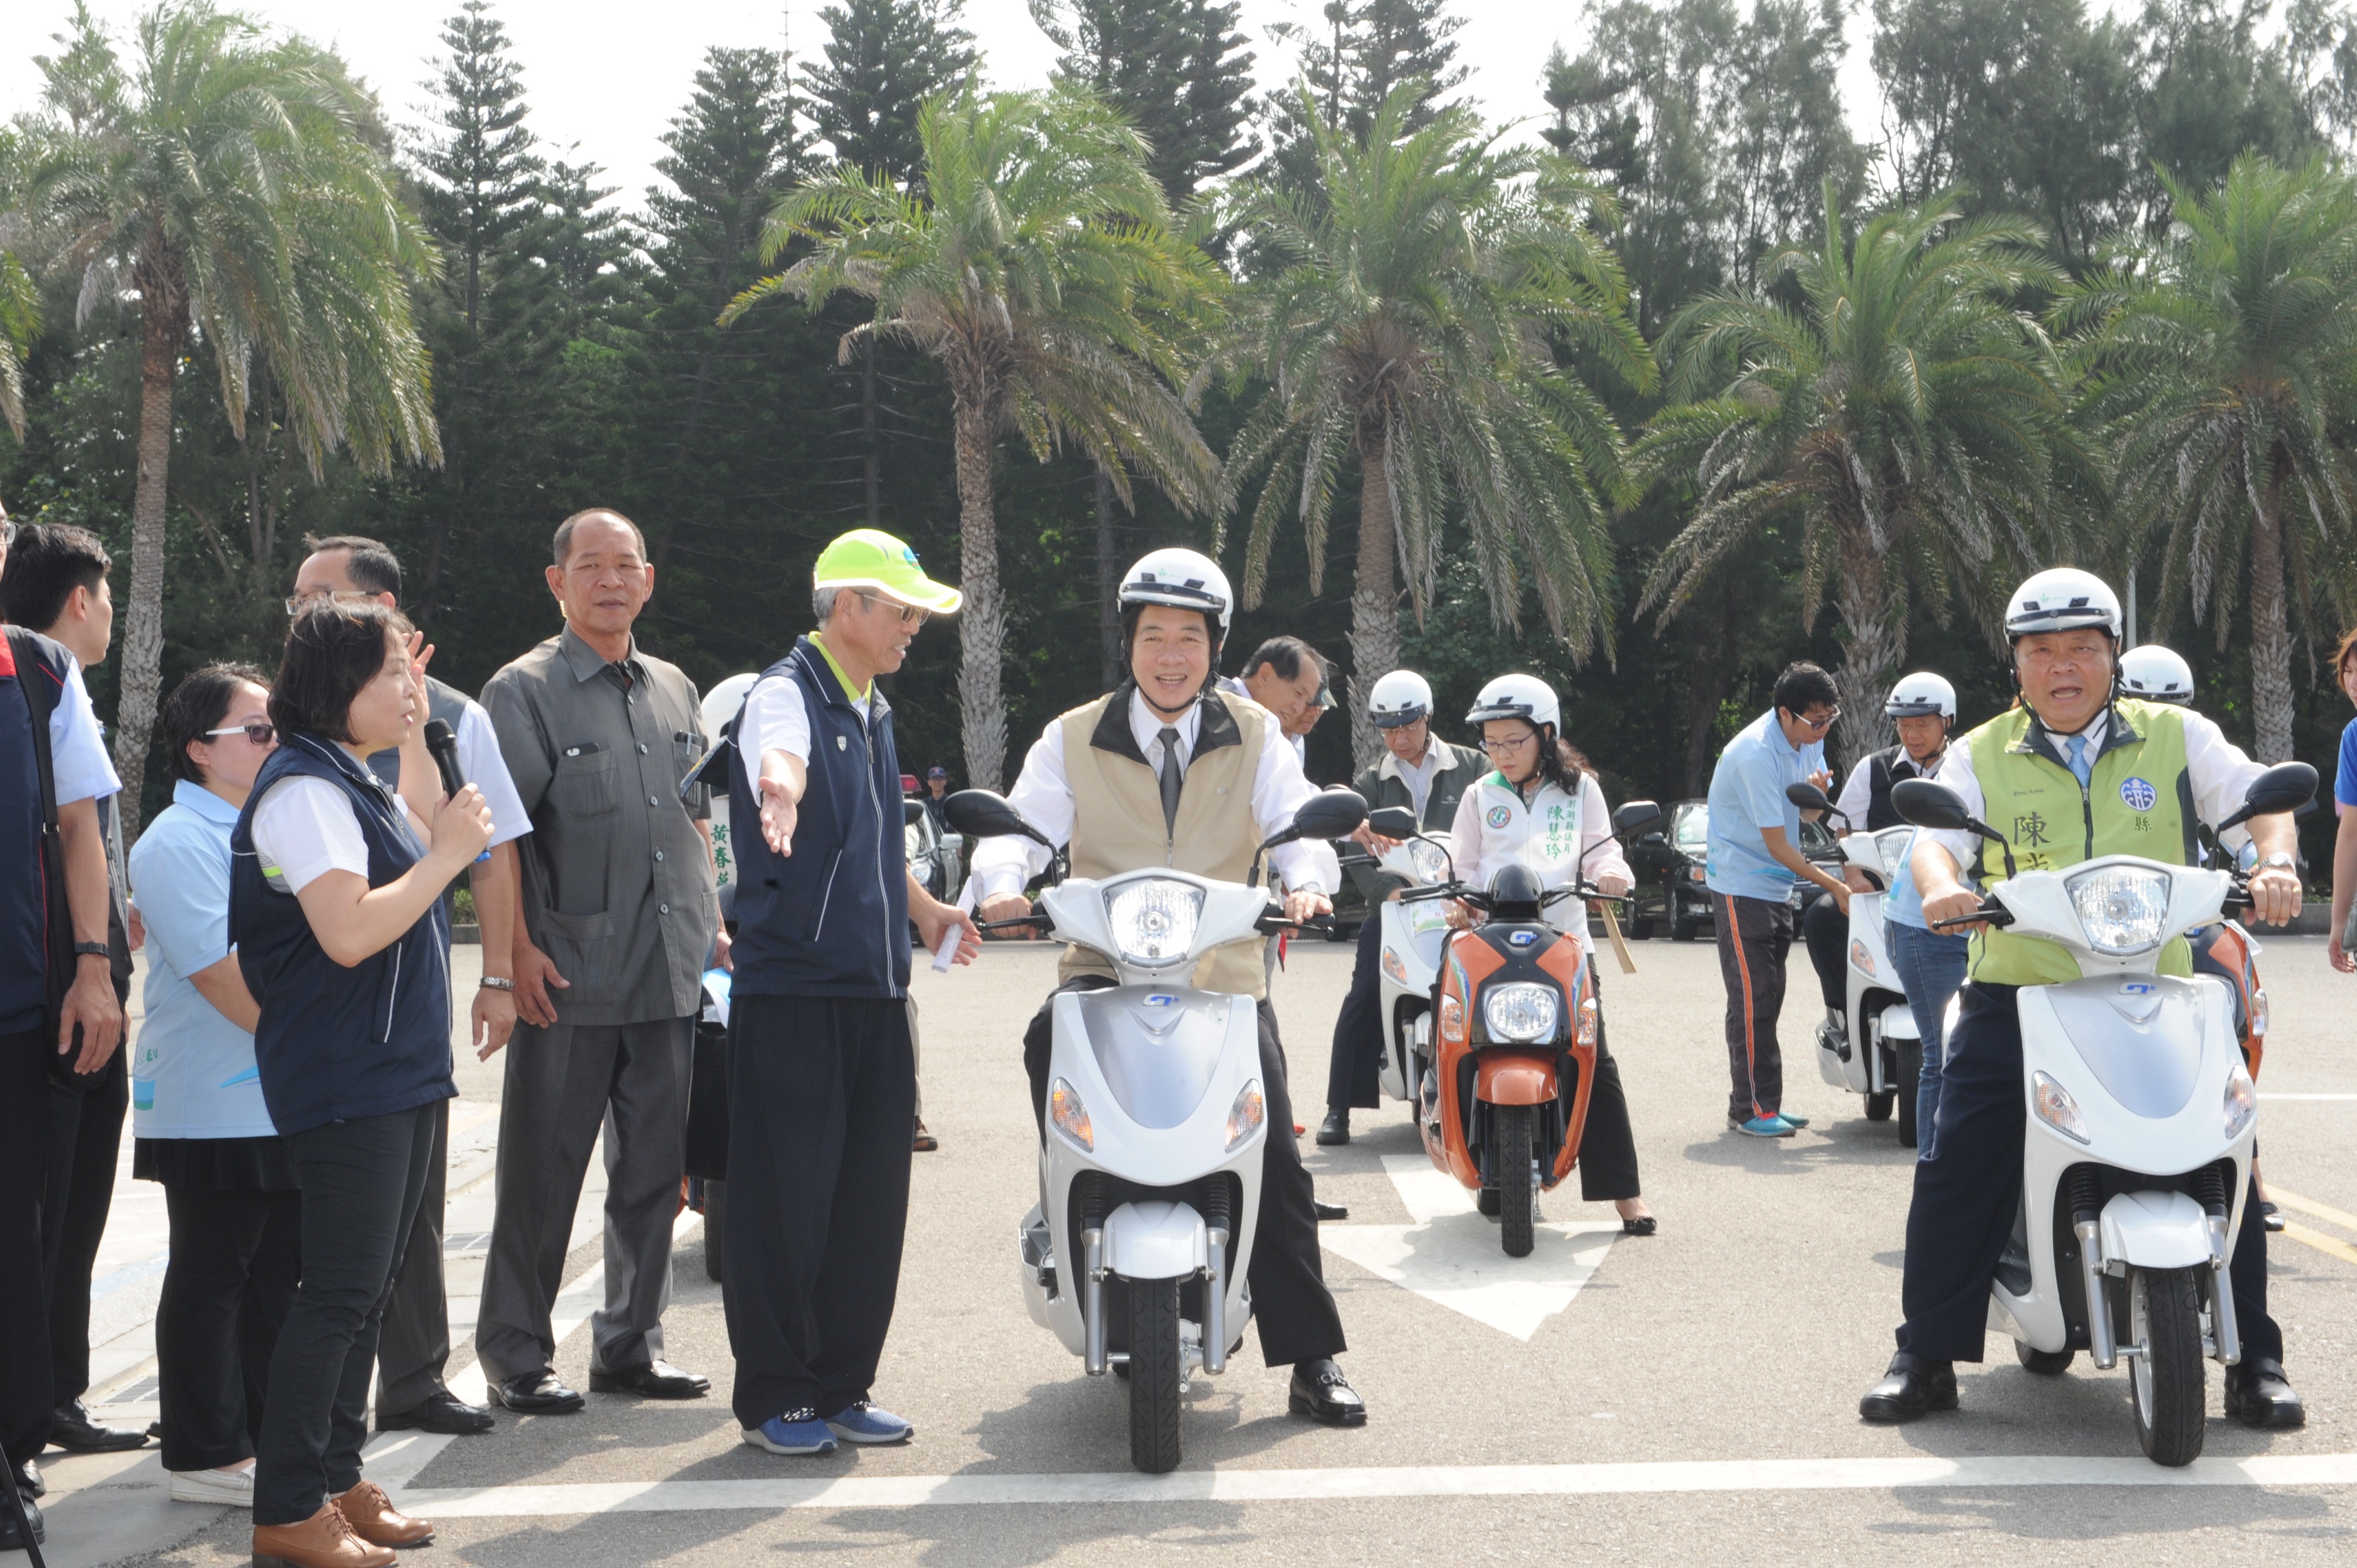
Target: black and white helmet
(2062, 598)
(1185, 579)
(1400, 698)
(1920, 695)
(2156, 674)
(1516, 697)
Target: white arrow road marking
(1450, 1255)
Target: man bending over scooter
(1168, 771)
(2135, 770)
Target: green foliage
(1177, 70)
(882, 60)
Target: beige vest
(1117, 817)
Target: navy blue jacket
(24, 916)
(335, 1044)
(832, 918)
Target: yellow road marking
(2331, 1246)
(2310, 1206)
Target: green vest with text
(2139, 801)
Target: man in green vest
(1170, 770)
(2075, 772)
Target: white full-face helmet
(2156, 674)
(1920, 695)
(1516, 697)
(1187, 579)
(1399, 699)
(2063, 598)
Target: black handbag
(56, 912)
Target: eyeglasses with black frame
(259, 733)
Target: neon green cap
(867, 558)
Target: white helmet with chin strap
(1185, 579)
(1522, 697)
(2062, 598)
(2156, 674)
(1920, 695)
(1399, 699)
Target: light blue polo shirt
(192, 1072)
(1747, 794)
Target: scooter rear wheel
(1878, 1106)
(2166, 1383)
(1517, 1200)
(1155, 1366)
(2045, 1363)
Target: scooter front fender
(1155, 1240)
(1501, 1078)
(2155, 1231)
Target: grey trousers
(562, 1083)
(414, 1344)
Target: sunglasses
(1824, 723)
(261, 735)
(910, 613)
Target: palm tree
(1412, 320)
(232, 181)
(20, 317)
(2219, 358)
(1034, 257)
(1907, 415)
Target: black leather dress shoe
(535, 1393)
(71, 1429)
(1321, 1392)
(30, 1481)
(445, 1412)
(2257, 1394)
(11, 1537)
(1335, 1129)
(1912, 1386)
(653, 1380)
(1330, 1210)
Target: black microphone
(444, 744)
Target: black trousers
(1607, 1146)
(414, 1345)
(1755, 936)
(24, 1352)
(236, 1257)
(1825, 929)
(822, 1093)
(85, 1140)
(1297, 1318)
(1969, 1191)
(1353, 1080)
(361, 1184)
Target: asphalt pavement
(1607, 1399)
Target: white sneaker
(234, 1487)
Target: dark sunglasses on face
(910, 613)
(261, 735)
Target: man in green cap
(822, 1079)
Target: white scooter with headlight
(1137, 1253)
(1879, 1052)
(2140, 1126)
(1415, 931)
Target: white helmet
(1920, 695)
(2156, 674)
(721, 703)
(1516, 697)
(1185, 578)
(2062, 598)
(1400, 698)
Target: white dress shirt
(1495, 827)
(1857, 795)
(776, 718)
(1043, 794)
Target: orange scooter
(1503, 1079)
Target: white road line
(2330, 1096)
(1375, 1484)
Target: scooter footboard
(1155, 1240)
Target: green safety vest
(2139, 801)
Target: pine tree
(881, 61)
(1177, 70)
(1351, 62)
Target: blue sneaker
(1795, 1120)
(796, 1432)
(1766, 1127)
(863, 1423)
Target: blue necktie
(2080, 766)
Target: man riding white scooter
(1169, 770)
(2139, 775)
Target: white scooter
(1879, 1053)
(1415, 932)
(2141, 1121)
(1137, 1253)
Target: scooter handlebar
(1986, 915)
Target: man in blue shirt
(1754, 859)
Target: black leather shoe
(2258, 1395)
(1912, 1386)
(11, 1537)
(535, 1393)
(30, 1481)
(71, 1429)
(653, 1380)
(1335, 1129)
(445, 1412)
(1330, 1210)
(1321, 1392)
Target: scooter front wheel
(1509, 1125)
(1155, 1369)
(2166, 1383)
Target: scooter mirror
(1393, 821)
(2285, 787)
(1808, 797)
(1634, 817)
(911, 813)
(1919, 801)
(1329, 814)
(979, 814)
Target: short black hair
(561, 545)
(333, 650)
(1284, 655)
(196, 708)
(47, 564)
(1804, 685)
(372, 568)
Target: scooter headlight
(2242, 1101)
(1521, 1012)
(1153, 923)
(1430, 861)
(2123, 909)
(2056, 1108)
(1245, 1115)
(1071, 1117)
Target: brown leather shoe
(375, 1521)
(323, 1541)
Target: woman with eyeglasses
(198, 1118)
(335, 906)
(1542, 806)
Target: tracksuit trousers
(1755, 937)
(822, 1093)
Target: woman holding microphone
(335, 906)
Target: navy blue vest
(24, 920)
(335, 1044)
(832, 918)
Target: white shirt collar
(1146, 726)
(2093, 734)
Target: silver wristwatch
(496, 983)
(2280, 861)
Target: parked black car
(1670, 866)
